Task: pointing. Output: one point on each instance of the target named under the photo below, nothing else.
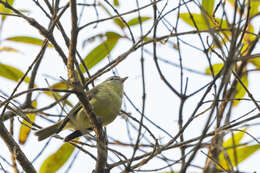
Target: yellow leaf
(240, 91)
(8, 49)
(25, 126)
(237, 156)
(231, 151)
(58, 85)
(216, 69)
(236, 138)
(256, 62)
(5, 10)
(208, 5)
(248, 39)
(56, 160)
(116, 3)
(254, 7)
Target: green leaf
(237, 156)
(55, 161)
(237, 137)
(101, 51)
(12, 73)
(119, 22)
(6, 10)
(135, 21)
(199, 19)
(147, 38)
(131, 22)
(112, 35)
(116, 3)
(25, 127)
(240, 89)
(28, 40)
(208, 5)
(216, 69)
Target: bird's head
(117, 79)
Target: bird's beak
(123, 79)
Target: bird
(105, 100)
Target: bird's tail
(48, 131)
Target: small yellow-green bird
(106, 101)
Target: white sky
(161, 106)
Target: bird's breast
(106, 105)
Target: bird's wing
(75, 134)
(90, 94)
